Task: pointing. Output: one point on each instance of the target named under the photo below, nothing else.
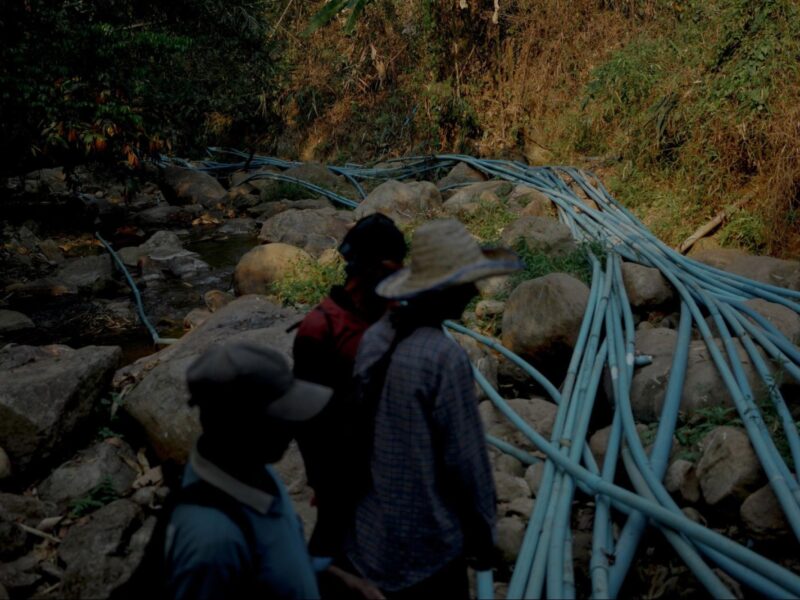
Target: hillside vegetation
(684, 107)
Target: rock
(312, 230)
(86, 275)
(11, 320)
(102, 554)
(774, 271)
(536, 412)
(216, 299)
(239, 227)
(728, 467)
(103, 463)
(542, 319)
(403, 202)
(330, 258)
(598, 444)
(681, 478)
(510, 533)
(25, 509)
(162, 241)
(703, 386)
(158, 402)
(163, 215)
(21, 576)
(488, 309)
(492, 287)
(195, 318)
(178, 261)
(188, 186)
(762, 514)
(13, 540)
(533, 476)
(264, 265)
(522, 507)
(145, 496)
(318, 174)
(692, 513)
(51, 251)
(783, 318)
(265, 210)
(534, 202)
(461, 173)
(480, 357)
(46, 181)
(5, 465)
(242, 197)
(46, 395)
(510, 465)
(540, 234)
(240, 178)
(646, 287)
(509, 487)
(469, 199)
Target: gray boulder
(469, 199)
(163, 215)
(103, 553)
(403, 202)
(510, 532)
(509, 487)
(728, 467)
(312, 230)
(681, 478)
(762, 514)
(243, 226)
(265, 210)
(533, 202)
(187, 186)
(216, 299)
(783, 318)
(158, 402)
(533, 476)
(109, 461)
(178, 261)
(86, 275)
(11, 320)
(540, 234)
(536, 412)
(266, 264)
(646, 287)
(774, 271)
(44, 181)
(46, 394)
(461, 173)
(543, 316)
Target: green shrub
(100, 495)
(310, 285)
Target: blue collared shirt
(208, 556)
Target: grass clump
(100, 495)
(488, 221)
(309, 285)
(285, 190)
(538, 263)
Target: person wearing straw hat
(429, 509)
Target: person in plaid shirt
(429, 511)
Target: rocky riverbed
(94, 424)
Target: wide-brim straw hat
(443, 255)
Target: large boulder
(403, 202)
(541, 234)
(536, 412)
(103, 553)
(703, 386)
(318, 174)
(481, 359)
(783, 318)
(86, 275)
(163, 215)
(460, 174)
(158, 402)
(774, 271)
(106, 462)
(469, 199)
(542, 319)
(267, 264)
(187, 186)
(160, 241)
(510, 533)
(265, 210)
(646, 287)
(534, 202)
(312, 230)
(11, 321)
(46, 395)
(681, 478)
(729, 467)
(762, 514)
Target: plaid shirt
(432, 498)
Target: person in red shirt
(324, 353)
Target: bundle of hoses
(606, 344)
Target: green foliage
(333, 8)
(100, 495)
(115, 80)
(284, 190)
(488, 221)
(309, 285)
(539, 264)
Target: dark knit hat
(373, 239)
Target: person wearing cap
(430, 508)
(324, 352)
(247, 541)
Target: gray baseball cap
(253, 377)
